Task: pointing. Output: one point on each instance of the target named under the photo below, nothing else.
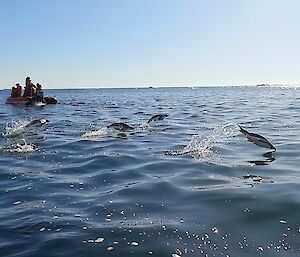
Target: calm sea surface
(188, 185)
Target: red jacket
(18, 91)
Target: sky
(142, 43)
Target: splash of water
(15, 128)
(145, 125)
(96, 133)
(19, 148)
(39, 104)
(201, 147)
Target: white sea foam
(15, 128)
(39, 104)
(144, 125)
(201, 147)
(96, 133)
(19, 127)
(19, 148)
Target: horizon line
(164, 86)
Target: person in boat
(27, 87)
(18, 90)
(32, 90)
(28, 91)
(13, 91)
(39, 94)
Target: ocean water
(188, 185)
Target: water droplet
(99, 240)
(260, 248)
(178, 252)
(215, 230)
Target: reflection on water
(267, 160)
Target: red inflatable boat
(28, 100)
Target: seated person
(18, 90)
(39, 91)
(13, 92)
(32, 90)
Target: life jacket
(39, 93)
(13, 92)
(27, 90)
(33, 90)
(18, 91)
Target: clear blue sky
(122, 43)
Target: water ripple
(85, 190)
